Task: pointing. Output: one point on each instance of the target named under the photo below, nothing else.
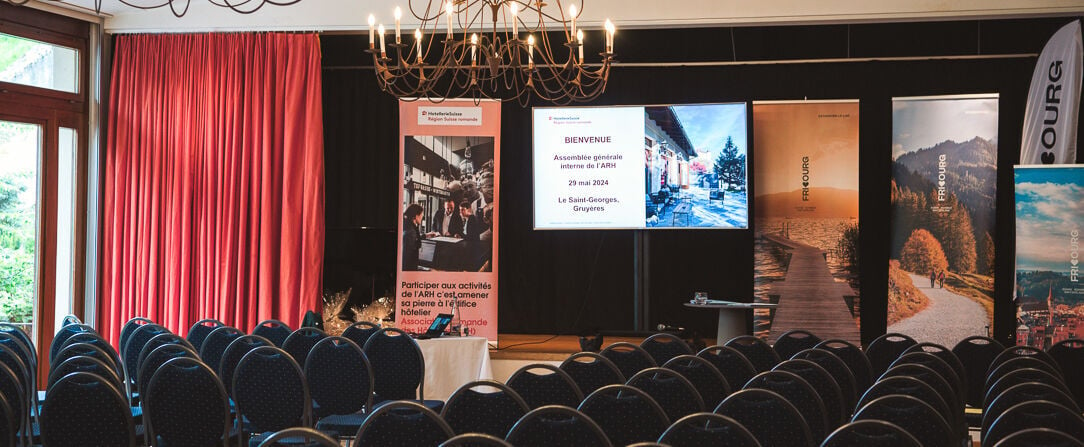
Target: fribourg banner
(944, 181)
(1049, 218)
(449, 157)
(1054, 101)
(806, 205)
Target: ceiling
(350, 15)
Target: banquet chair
(87, 350)
(233, 354)
(70, 319)
(167, 338)
(793, 341)
(290, 405)
(184, 403)
(157, 358)
(629, 358)
(1035, 414)
(1027, 352)
(976, 353)
(884, 350)
(870, 433)
(398, 367)
(289, 438)
(764, 413)
(1069, 354)
(23, 362)
(199, 331)
(83, 409)
(1024, 392)
(556, 426)
(909, 386)
(275, 331)
(96, 339)
(930, 377)
(948, 356)
(799, 393)
(14, 393)
(541, 384)
(63, 335)
(129, 354)
(939, 366)
(676, 395)
(759, 353)
(360, 331)
(8, 427)
(1023, 376)
(1040, 437)
(839, 372)
(854, 358)
(702, 429)
(215, 344)
(915, 416)
(591, 371)
(299, 342)
(705, 377)
(664, 346)
(84, 364)
(1019, 363)
(627, 415)
(825, 386)
(341, 384)
(129, 327)
(491, 412)
(732, 364)
(475, 440)
(403, 423)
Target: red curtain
(212, 181)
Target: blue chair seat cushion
(348, 424)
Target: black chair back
(732, 364)
(884, 350)
(14, 393)
(663, 346)
(275, 331)
(939, 366)
(1040, 437)
(215, 345)
(403, 424)
(158, 357)
(62, 336)
(1028, 352)
(233, 354)
(702, 429)
(299, 342)
(8, 427)
(470, 410)
(96, 339)
(84, 364)
(340, 376)
(629, 358)
(1024, 392)
(184, 403)
(949, 357)
(165, 338)
(541, 384)
(129, 353)
(759, 353)
(676, 395)
(763, 413)
(86, 350)
(265, 369)
(129, 327)
(854, 358)
(909, 386)
(591, 371)
(556, 426)
(704, 376)
(626, 414)
(915, 416)
(870, 433)
(360, 331)
(794, 341)
(199, 331)
(839, 371)
(398, 365)
(83, 409)
(1019, 376)
(1035, 414)
(976, 353)
(798, 392)
(930, 377)
(1069, 354)
(1008, 366)
(825, 386)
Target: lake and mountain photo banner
(806, 218)
(447, 264)
(1049, 293)
(941, 260)
(1050, 118)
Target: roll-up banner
(1049, 220)
(449, 157)
(944, 181)
(806, 218)
(1050, 118)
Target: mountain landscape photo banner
(806, 218)
(944, 172)
(1049, 216)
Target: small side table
(733, 317)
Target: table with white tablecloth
(451, 362)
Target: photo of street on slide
(635, 167)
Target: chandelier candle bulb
(418, 39)
(473, 47)
(572, 16)
(515, 20)
(579, 40)
(382, 51)
(530, 51)
(398, 17)
(372, 21)
(448, 10)
(609, 36)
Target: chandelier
(180, 7)
(490, 49)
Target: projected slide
(636, 167)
